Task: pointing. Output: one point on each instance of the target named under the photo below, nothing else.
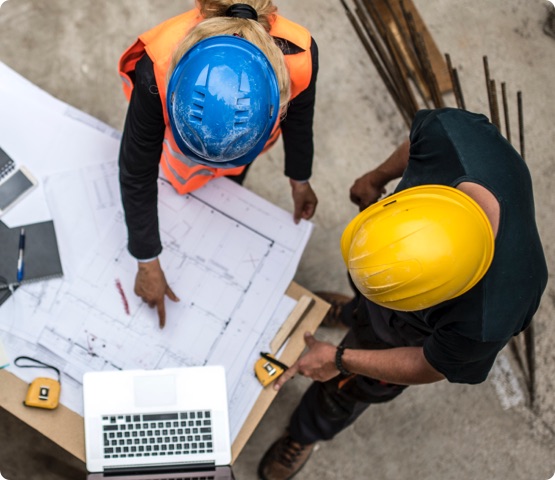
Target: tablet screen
(13, 188)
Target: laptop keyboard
(160, 434)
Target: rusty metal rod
(381, 27)
(529, 343)
(413, 48)
(382, 58)
(379, 49)
(404, 51)
(389, 58)
(390, 42)
(453, 81)
(437, 97)
(521, 125)
(486, 72)
(506, 111)
(459, 88)
(515, 348)
(376, 62)
(372, 15)
(416, 74)
(422, 53)
(494, 105)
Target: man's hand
(318, 363)
(366, 190)
(152, 287)
(304, 200)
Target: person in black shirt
(421, 315)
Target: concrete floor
(71, 49)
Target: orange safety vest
(159, 43)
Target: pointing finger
(161, 313)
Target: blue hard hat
(223, 101)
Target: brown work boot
(284, 459)
(337, 302)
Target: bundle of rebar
(397, 49)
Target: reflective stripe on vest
(184, 174)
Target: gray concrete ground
(441, 431)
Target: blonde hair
(256, 32)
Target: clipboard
(42, 257)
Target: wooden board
(292, 352)
(62, 425)
(437, 59)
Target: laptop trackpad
(154, 391)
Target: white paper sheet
(46, 135)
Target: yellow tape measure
(268, 368)
(43, 392)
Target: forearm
(394, 166)
(139, 158)
(138, 175)
(139, 200)
(402, 365)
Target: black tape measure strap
(274, 361)
(36, 364)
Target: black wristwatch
(339, 363)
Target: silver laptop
(157, 424)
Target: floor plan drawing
(228, 255)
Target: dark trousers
(329, 407)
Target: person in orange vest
(209, 90)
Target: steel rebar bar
(376, 62)
(459, 88)
(521, 125)
(494, 104)
(406, 39)
(455, 82)
(422, 53)
(506, 112)
(392, 58)
(486, 72)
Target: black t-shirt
(141, 147)
(461, 337)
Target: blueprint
(228, 254)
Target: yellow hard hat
(419, 247)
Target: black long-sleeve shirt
(141, 147)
